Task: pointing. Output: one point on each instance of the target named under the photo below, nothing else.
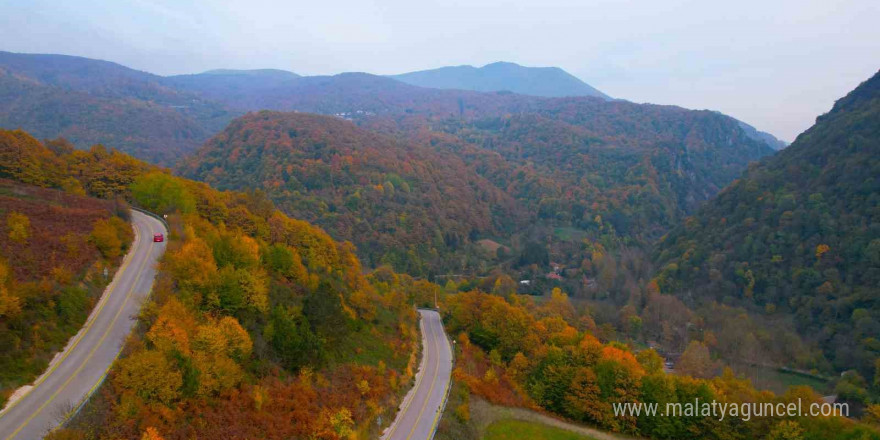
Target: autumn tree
(10, 305)
(786, 430)
(151, 434)
(193, 265)
(584, 398)
(149, 375)
(162, 193)
(651, 361)
(696, 361)
(18, 227)
(111, 236)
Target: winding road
(421, 408)
(78, 371)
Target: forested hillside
(54, 248)
(232, 86)
(639, 168)
(798, 235)
(614, 172)
(90, 101)
(402, 204)
(260, 325)
(549, 355)
(160, 119)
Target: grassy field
(779, 381)
(510, 429)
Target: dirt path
(488, 413)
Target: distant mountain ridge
(278, 73)
(763, 136)
(92, 101)
(503, 76)
(162, 119)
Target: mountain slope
(232, 86)
(437, 183)
(260, 323)
(162, 118)
(355, 96)
(537, 81)
(400, 203)
(798, 234)
(639, 167)
(91, 101)
(763, 136)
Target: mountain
(233, 87)
(459, 168)
(253, 73)
(401, 203)
(90, 101)
(763, 136)
(797, 235)
(639, 167)
(247, 302)
(162, 119)
(95, 77)
(353, 95)
(502, 76)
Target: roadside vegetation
(58, 250)
(260, 325)
(550, 357)
(509, 429)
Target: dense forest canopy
(402, 204)
(798, 234)
(54, 247)
(259, 324)
(672, 229)
(615, 172)
(546, 355)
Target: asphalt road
(84, 364)
(420, 411)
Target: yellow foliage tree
(559, 305)
(872, 415)
(106, 238)
(18, 226)
(193, 265)
(209, 340)
(254, 285)
(249, 249)
(821, 250)
(167, 335)
(238, 341)
(218, 373)
(149, 375)
(151, 434)
(342, 423)
(10, 305)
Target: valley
(578, 250)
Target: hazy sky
(774, 64)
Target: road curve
(420, 410)
(83, 365)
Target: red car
(158, 238)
